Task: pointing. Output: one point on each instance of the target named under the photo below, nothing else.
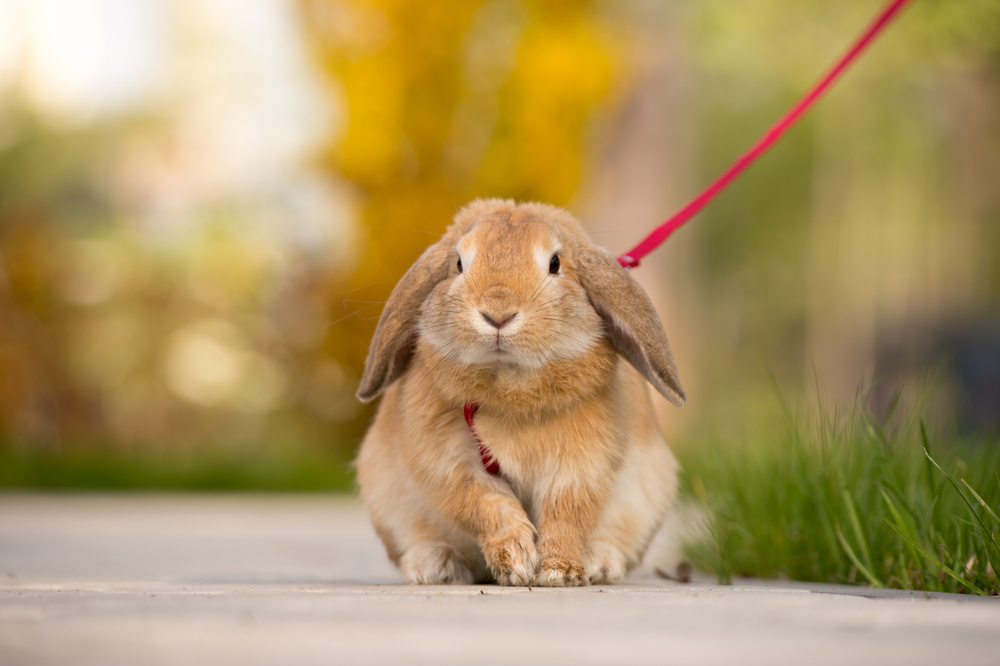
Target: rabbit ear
(396, 332)
(630, 319)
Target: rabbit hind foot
(605, 564)
(435, 564)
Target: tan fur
(586, 478)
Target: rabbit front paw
(512, 560)
(560, 572)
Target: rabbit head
(517, 285)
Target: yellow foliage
(447, 101)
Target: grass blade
(990, 534)
(938, 563)
(904, 525)
(981, 501)
(854, 558)
(859, 533)
(972, 509)
(930, 469)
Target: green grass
(846, 500)
(92, 468)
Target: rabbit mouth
(499, 350)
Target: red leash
(632, 258)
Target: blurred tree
(150, 260)
(144, 306)
(40, 184)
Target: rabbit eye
(460, 264)
(554, 264)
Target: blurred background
(204, 203)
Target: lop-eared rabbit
(517, 317)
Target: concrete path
(234, 579)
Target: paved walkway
(233, 579)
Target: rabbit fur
(586, 476)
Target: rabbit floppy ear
(396, 333)
(631, 321)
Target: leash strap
(632, 258)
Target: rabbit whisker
(373, 284)
(350, 315)
(554, 300)
(538, 290)
(349, 300)
(385, 356)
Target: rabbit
(517, 312)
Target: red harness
(489, 462)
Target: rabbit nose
(499, 322)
